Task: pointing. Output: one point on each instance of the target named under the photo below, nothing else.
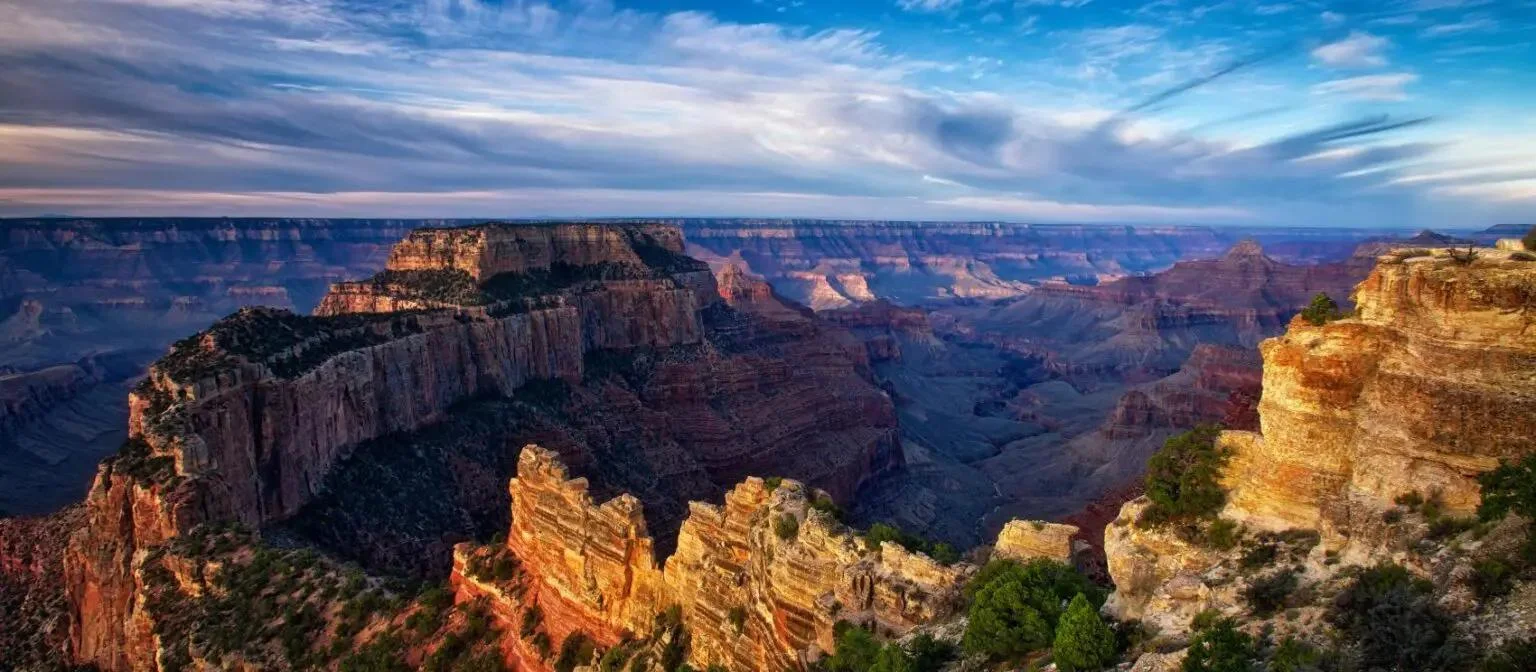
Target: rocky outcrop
(760, 580)
(248, 420)
(1424, 387)
(1027, 540)
(1421, 390)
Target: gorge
(553, 445)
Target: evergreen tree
(1083, 641)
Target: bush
(1222, 534)
(1523, 256)
(1082, 642)
(856, 649)
(1015, 608)
(1294, 655)
(1181, 478)
(1510, 487)
(738, 618)
(1393, 620)
(1492, 578)
(1221, 648)
(1464, 256)
(1321, 311)
(879, 533)
(773, 482)
(929, 654)
(1530, 239)
(824, 503)
(786, 526)
(575, 650)
(1267, 594)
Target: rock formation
(760, 580)
(1423, 389)
(830, 265)
(1427, 384)
(247, 421)
(1026, 540)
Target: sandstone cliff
(253, 419)
(1426, 385)
(1424, 388)
(760, 580)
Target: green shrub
(1294, 655)
(892, 659)
(1492, 578)
(1510, 487)
(1267, 594)
(787, 526)
(773, 482)
(1182, 478)
(855, 651)
(1530, 239)
(1221, 648)
(532, 619)
(1082, 641)
(822, 502)
(1222, 534)
(1411, 499)
(575, 650)
(882, 532)
(738, 618)
(1411, 253)
(929, 654)
(1392, 619)
(1522, 255)
(1321, 311)
(1015, 607)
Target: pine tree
(1083, 642)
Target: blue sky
(1393, 113)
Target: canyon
(589, 436)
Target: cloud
(1359, 50)
(929, 5)
(1381, 88)
(453, 107)
(1478, 24)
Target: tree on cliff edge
(1083, 642)
(1321, 311)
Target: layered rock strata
(760, 580)
(246, 421)
(1424, 387)
(243, 422)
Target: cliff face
(1420, 391)
(128, 288)
(1424, 387)
(830, 265)
(252, 419)
(754, 594)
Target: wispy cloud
(929, 5)
(1470, 24)
(1382, 88)
(518, 107)
(1359, 50)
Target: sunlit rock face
(1027, 540)
(760, 579)
(1425, 387)
(1429, 383)
(245, 421)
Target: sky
(1393, 113)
